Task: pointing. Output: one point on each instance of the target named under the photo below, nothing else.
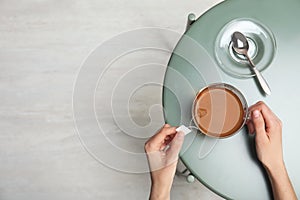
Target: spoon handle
(262, 81)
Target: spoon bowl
(240, 43)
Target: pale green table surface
(229, 166)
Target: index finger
(267, 113)
(163, 133)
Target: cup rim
(241, 98)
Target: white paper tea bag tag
(184, 129)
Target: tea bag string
(193, 127)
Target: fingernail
(255, 113)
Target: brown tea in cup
(219, 110)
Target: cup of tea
(219, 110)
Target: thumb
(176, 144)
(259, 124)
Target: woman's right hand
(268, 128)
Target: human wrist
(162, 183)
(275, 169)
(160, 190)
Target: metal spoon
(241, 46)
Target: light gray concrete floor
(43, 45)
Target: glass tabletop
(229, 166)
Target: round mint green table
(229, 166)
